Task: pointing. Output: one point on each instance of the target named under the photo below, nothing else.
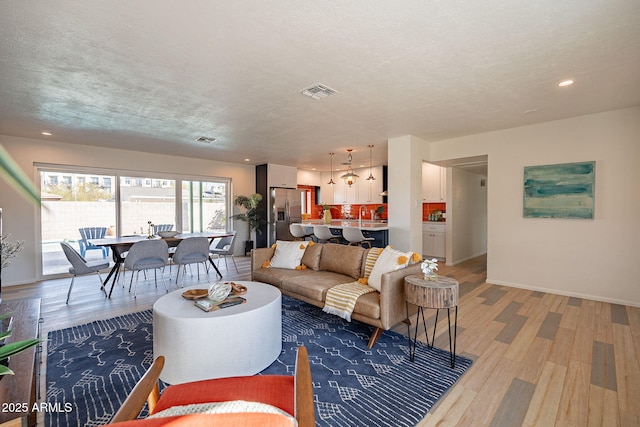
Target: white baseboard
(465, 259)
(564, 293)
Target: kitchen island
(376, 229)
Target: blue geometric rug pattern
(94, 366)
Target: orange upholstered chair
(291, 394)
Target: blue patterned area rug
(94, 366)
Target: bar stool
(324, 235)
(355, 237)
(299, 232)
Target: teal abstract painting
(559, 191)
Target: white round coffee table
(235, 341)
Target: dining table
(120, 245)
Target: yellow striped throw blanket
(341, 299)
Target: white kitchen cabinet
(352, 193)
(326, 190)
(342, 193)
(434, 183)
(434, 241)
(312, 178)
(369, 191)
(361, 192)
(282, 176)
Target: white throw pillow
(226, 407)
(389, 260)
(288, 254)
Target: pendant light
(371, 177)
(331, 181)
(349, 177)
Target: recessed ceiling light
(247, 160)
(531, 111)
(565, 83)
(45, 133)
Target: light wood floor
(539, 359)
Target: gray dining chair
(147, 255)
(192, 250)
(80, 266)
(224, 248)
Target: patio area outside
(54, 262)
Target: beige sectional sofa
(332, 264)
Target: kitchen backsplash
(338, 212)
(428, 208)
(351, 211)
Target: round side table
(436, 294)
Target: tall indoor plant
(251, 215)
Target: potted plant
(8, 350)
(251, 215)
(9, 250)
(15, 176)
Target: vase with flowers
(429, 268)
(326, 216)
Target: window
(67, 208)
(206, 205)
(141, 204)
(73, 198)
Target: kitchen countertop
(340, 224)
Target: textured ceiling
(153, 76)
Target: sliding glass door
(144, 200)
(123, 203)
(70, 202)
(204, 205)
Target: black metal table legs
(452, 339)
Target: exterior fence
(61, 220)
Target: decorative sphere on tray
(219, 291)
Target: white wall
(594, 259)
(405, 156)
(466, 216)
(20, 216)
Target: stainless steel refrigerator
(285, 207)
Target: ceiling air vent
(206, 139)
(318, 91)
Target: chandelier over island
(349, 177)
